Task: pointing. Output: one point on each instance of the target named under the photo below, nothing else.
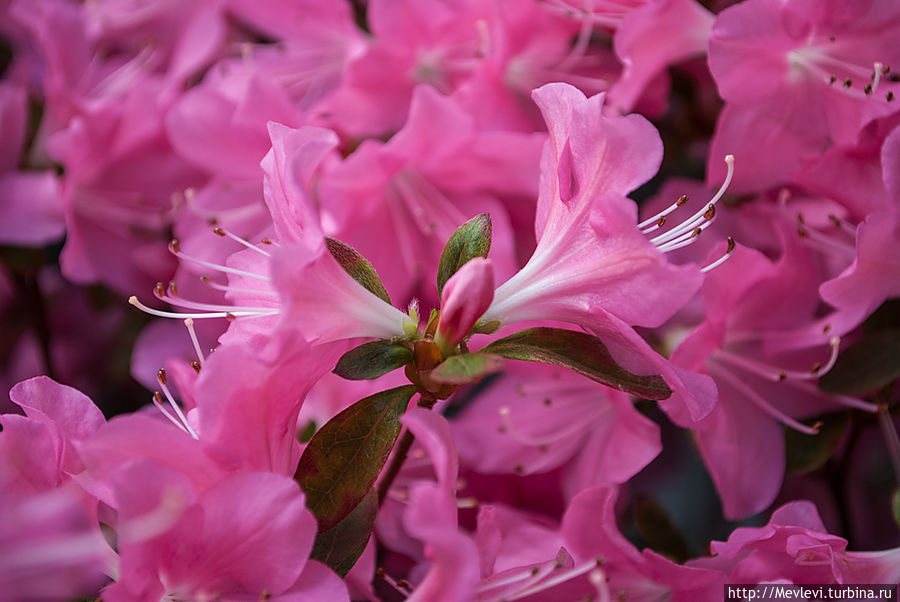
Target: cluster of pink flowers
(411, 338)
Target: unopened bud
(465, 298)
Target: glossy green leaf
(867, 365)
(373, 359)
(580, 352)
(805, 453)
(358, 267)
(345, 456)
(340, 547)
(466, 368)
(471, 240)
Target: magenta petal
(433, 431)
(288, 169)
(431, 517)
(70, 410)
(646, 43)
(317, 583)
(744, 451)
(256, 530)
(248, 409)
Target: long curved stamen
(219, 231)
(688, 238)
(764, 405)
(173, 299)
(704, 215)
(157, 401)
(189, 324)
(162, 379)
(728, 251)
(846, 400)
(175, 249)
(215, 314)
(776, 375)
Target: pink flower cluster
(290, 178)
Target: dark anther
(848, 82)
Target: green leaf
(805, 453)
(339, 547)
(345, 456)
(358, 267)
(466, 368)
(371, 360)
(580, 352)
(867, 365)
(471, 240)
(656, 528)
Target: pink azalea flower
(752, 305)
(407, 196)
(526, 46)
(246, 535)
(431, 517)
(538, 418)
(592, 266)
(798, 78)
(414, 42)
(795, 546)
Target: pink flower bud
(465, 298)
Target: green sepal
(471, 240)
(486, 327)
(373, 359)
(581, 352)
(358, 267)
(340, 547)
(466, 368)
(344, 458)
